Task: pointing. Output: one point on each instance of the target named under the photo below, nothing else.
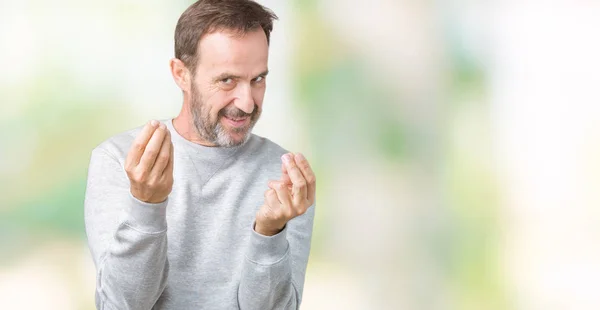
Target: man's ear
(181, 74)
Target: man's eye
(227, 83)
(259, 79)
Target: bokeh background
(456, 143)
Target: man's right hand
(149, 163)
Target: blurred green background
(456, 144)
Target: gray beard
(215, 133)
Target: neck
(184, 125)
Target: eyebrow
(227, 75)
(264, 73)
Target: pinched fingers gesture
(149, 163)
(288, 197)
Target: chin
(229, 136)
(233, 139)
(239, 138)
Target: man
(196, 212)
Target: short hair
(206, 16)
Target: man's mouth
(237, 121)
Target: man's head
(221, 62)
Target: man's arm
(275, 265)
(127, 236)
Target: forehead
(227, 50)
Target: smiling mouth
(238, 121)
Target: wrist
(267, 230)
(147, 197)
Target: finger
(285, 177)
(282, 192)
(272, 200)
(309, 176)
(139, 144)
(163, 157)
(298, 181)
(169, 168)
(153, 148)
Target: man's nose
(244, 100)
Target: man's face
(228, 86)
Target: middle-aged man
(196, 212)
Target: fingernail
(163, 126)
(300, 157)
(153, 123)
(286, 158)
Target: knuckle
(301, 183)
(304, 165)
(138, 146)
(279, 214)
(311, 179)
(150, 152)
(169, 187)
(301, 211)
(151, 183)
(163, 157)
(275, 214)
(141, 176)
(290, 213)
(134, 176)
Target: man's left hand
(287, 198)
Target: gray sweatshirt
(196, 250)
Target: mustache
(234, 112)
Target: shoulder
(118, 145)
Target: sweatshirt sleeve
(275, 266)
(127, 238)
